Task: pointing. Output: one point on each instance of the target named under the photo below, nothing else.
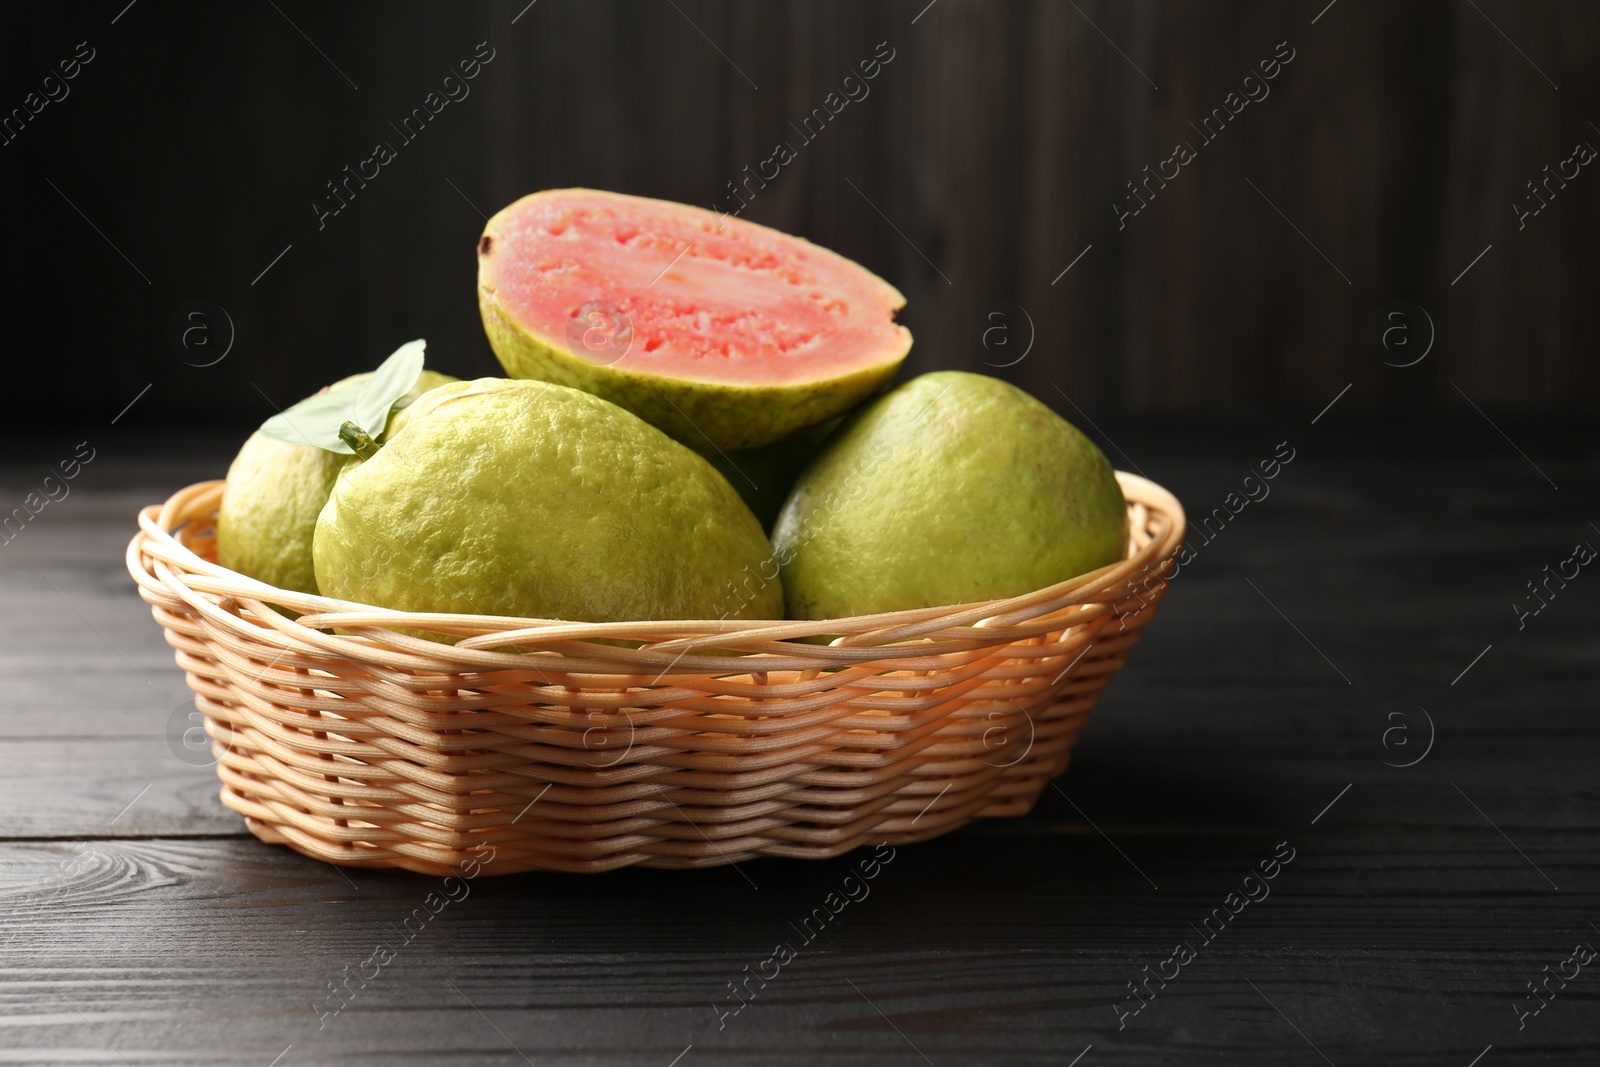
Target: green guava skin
(270, 503)
(706, 416)
(763, 476)
(533, 500)
(951, 488)
(272, 497)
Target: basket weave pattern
(591, 746)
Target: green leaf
(316, 419)
(308, 422)
(380, 392)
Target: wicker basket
(589, 746)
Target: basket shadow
(1111, 829)
(1130, 792)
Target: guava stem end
(360, 442)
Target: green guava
(948, 489)
(724, 333)
(273, 495)
(763, 476)
(528, 499)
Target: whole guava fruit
(527, 499)
(764, 475)
(273, 495)
(948, 489)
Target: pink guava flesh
(705, 297)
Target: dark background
(996, 141)
(1282, 694)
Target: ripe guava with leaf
(281, 478)
(532, 500)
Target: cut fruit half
(723, 333)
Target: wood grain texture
(987, 156)
(1376, 947)
(1420, 901)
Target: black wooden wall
(983, 159)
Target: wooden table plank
(109, 787)
(1375, 945)
(1420, 903)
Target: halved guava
(723, 333)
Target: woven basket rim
(156, 556)
(688, 743)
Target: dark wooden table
(1357, 620)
